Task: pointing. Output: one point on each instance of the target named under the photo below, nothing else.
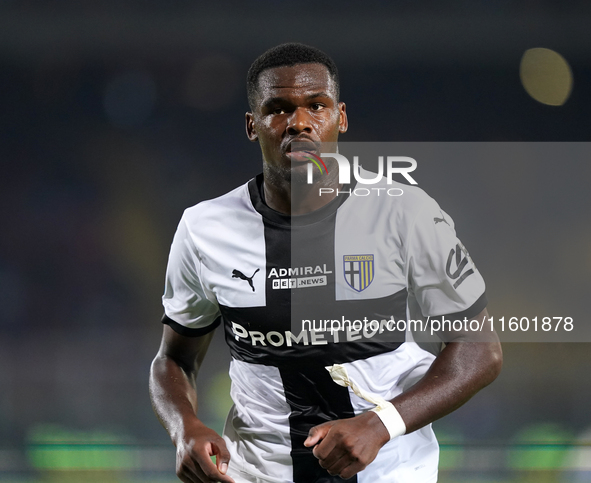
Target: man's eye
(278, 110)
(317, 107)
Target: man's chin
(299, 173)
(293, 172)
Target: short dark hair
(288, 54)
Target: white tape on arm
(385, 410)
(391, 419)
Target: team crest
(358, 270)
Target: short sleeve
(188, 307)
(441, 273)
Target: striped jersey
(295, 294)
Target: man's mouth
(303, 144)
(300, 156)
(302, 150)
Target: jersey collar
(255, 188)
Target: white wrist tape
(385, 410)
(391, 419)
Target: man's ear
(343, 121)
(250, 129)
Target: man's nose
(298, 122)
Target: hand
(346, 446)
(193, 456)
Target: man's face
(294, 105)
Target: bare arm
(174, 399)
(465, 366)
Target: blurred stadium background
(116, 115)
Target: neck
(292, 198)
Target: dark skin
(174, 398)
(300, 104)
(295, 104)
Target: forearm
(174, 398)
(458, 373)
(173, 395)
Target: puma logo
(442, 219)
(241, 276)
